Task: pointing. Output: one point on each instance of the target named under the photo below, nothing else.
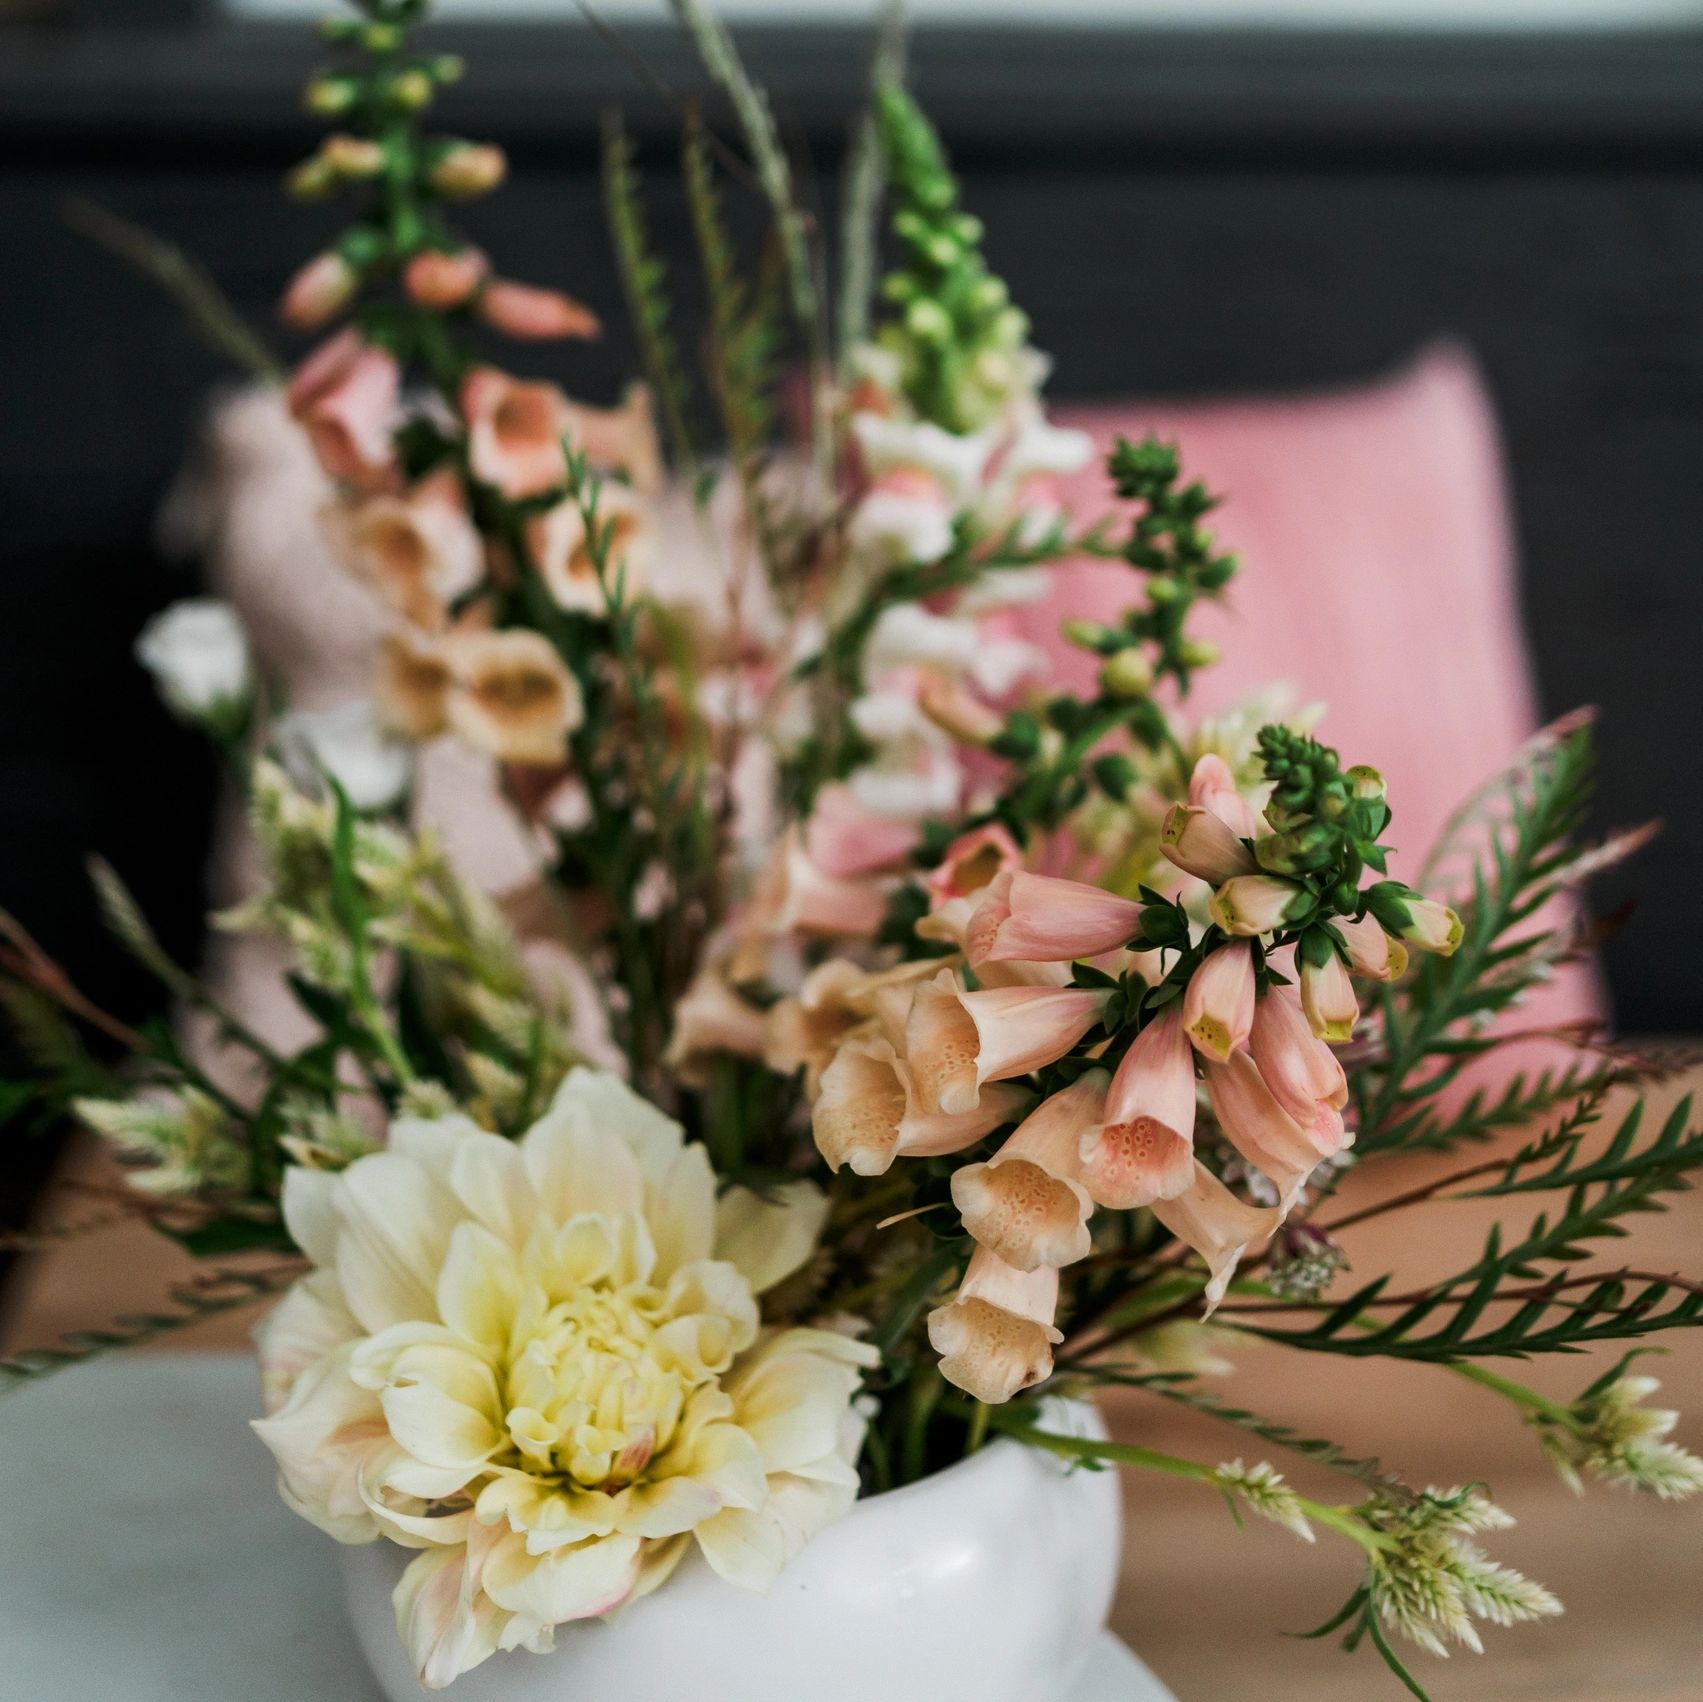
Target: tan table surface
(1203, 1602)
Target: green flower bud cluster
(961, 345)
(1177, 554)
(1325, 824)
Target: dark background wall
(1180, 213)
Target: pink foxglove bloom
(1371, 952)
(1301, 1071)
(1025, 1203)
(512, 696)
(1144, 1151)
(528, 312)
(429, 1381)
(867, 1114)
(465, 169)
(1026, 918)
(1212, 786)
(971, 862)
(956, 1042)
(1257, 904)
(1199, 842)
(1221, 1228)
(515, 432)
(318, 292)
(1267, 1137)
(443, 281)
(846, 839)
(996, 1336)
(417, 550)
(1218, 1005)
(949, 923)
(1327, 996)
(559, 550)
(345, 396)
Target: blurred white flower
(353, 746)
(198, 654)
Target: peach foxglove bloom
(956, 1042)
(1218, 1005)
(837, 997)
(1144, 1150)
(867, 1113)
(412, 686)
(541, 1364)
(558, 547)
(1039, 918)
(442, 280)
(345, 396)
(1221, 1228)
(526, 311)
(955, 709)
(622, 439)
(1257, 904)
(797, 896)
(1267, 1137)
(1200, 843)
(198, 654)
(996, 1336)
(712, 1020)
(465, 169)
(1301, 1071)
(971, 862)
(318, 292)
(1422, 922)
(351, 744)
(1025, 1203)
(1327, 993)
(417, 550)
(512, 696)
(515, 432)
(1212, 786)
(1371, 952)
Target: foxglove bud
(318, 292)
(352, 158)
(1200, 843)
(1421, 922)
(1250, 905)
(1371, 952)
(1298, 850)
(1127, 674)
(465, 169)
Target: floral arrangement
(943, 1041)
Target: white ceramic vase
(989, 1580)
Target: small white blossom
(1619, 1440)
(351, 745)
(1260, 1488)
(198, 654)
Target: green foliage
(745, 333)
(1526, 861)
(644, 280)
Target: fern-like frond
(217, 1292)
(644, 280)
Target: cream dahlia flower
(542, 1364)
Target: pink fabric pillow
(1378, 578)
